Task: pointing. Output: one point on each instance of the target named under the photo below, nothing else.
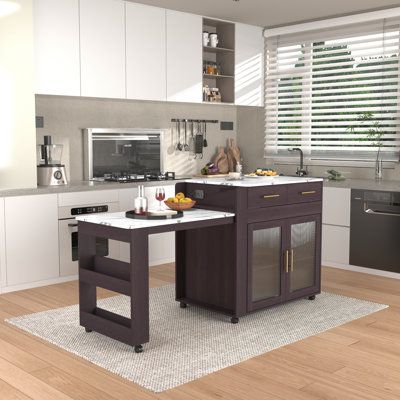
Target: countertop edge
(86, 186)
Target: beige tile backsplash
(65, 117)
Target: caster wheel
(88, 330)
(182, 305)
(139, 348)
(234, 320)
(311, 298)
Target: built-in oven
(110, 152)
(68, 236)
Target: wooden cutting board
(211, 176)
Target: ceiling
(271, 12)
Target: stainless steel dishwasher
(375, 230)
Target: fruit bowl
(179, 206)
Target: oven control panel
(88, 210)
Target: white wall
(17, 101)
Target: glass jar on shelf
(218, 69)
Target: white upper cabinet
(102, 28)
(56, 39)
(249, 49)
(145, 52)
(184, 57)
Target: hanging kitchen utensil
(205, 144)
(176, 136)
(198, 143)
(198, 146)
(186, 146)
(179, 146)
(191, 139)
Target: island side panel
(205, 258)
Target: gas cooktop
(127, 178)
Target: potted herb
(372, 132)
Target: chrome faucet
(301, 171)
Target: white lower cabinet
(162, 245)
(31, 230)
(336, 226)
(336, 206)
(335, 244)
(2, 246)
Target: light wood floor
(357, 361)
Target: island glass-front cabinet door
(265, 259)
(283, 260)
(304, 249)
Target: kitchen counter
(255, 181)
(83, 186)
(365, 184)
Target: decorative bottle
(141, 202)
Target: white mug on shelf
(206, 38)
(213, 40)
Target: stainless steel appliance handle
(376, 212)
(73, 225)
(124, 137)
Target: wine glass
(160, 195)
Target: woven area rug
(186, 344)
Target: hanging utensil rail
(207, 121)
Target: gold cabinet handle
(271, 196)
(309, 192)
(287, 261)
(291, 260)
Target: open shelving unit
(224, 55)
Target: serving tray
(131, 214)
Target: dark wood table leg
(140, 288)
(180, 266)
(87, 291)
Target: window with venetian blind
(326, 89)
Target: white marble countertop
(365, 184)
(84, 186)
(118, 220)
(255, 181)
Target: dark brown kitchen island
(254, 244)
(271, 255)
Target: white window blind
(334, 92)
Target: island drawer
(304, 193)
(212, 196)
(267, 196)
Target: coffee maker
(50, 171)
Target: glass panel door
(136, 156)
(303, 255)
(266, 253)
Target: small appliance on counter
(50, 171)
